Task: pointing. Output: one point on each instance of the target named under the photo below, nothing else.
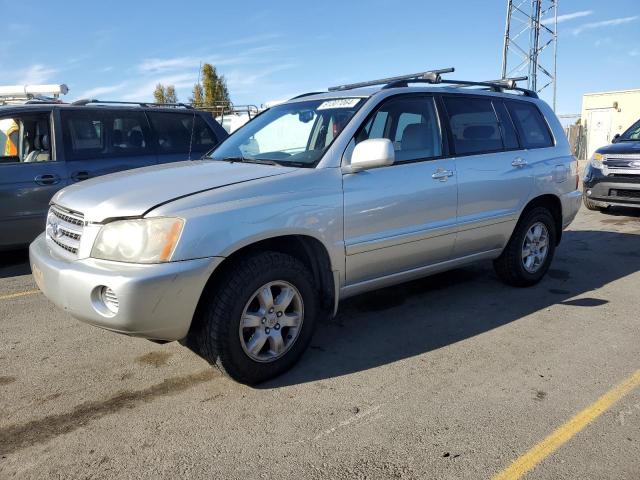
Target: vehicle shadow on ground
(399, 322)
(14, 263)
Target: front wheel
(530, 250)
(260, 318)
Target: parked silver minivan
(320, 198)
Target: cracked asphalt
(453, 376)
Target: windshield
(632, 134)
(293, 134)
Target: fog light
(589, 192)
(109, 299)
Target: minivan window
(530, 124)
(25, 139)
(411, 123)
(101, 134)
(182, 133)
(474, 125)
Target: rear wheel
(530, 250)
(260, 318)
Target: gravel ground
(453, 376)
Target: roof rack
(434, 77)
(87, 101)
(431, 76)
(493, 85)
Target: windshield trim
(361, 102)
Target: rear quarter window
(530, 124)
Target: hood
(621, 147)
(132, 193)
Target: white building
(606, 114)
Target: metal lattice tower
(531, 43)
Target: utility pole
(531, 43)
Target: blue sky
(273, 50)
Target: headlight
(148, 240)
(596, 161)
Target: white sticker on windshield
(339, 103)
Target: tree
(170, 94)
(159, 94)
(164, 94)
(212, 90)
(197, 99)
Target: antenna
(193, 120)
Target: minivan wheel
(259, 319)
(530, 250)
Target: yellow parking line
(564, 433)
(20, 294)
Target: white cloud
(98, 91)
(605, 23)
(36, 74)
(568, 16)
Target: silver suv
(323, 197)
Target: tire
(218, 336)
(510, 266)
(590, 205)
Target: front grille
(625, 161)
(624, 193)
(64, 229)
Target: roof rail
(494, 85)
(431, 76)
(87, 101)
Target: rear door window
(531, 125)
(104, 134)
(182, 133)
(474, 125)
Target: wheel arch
(553, 204)
(306, 248)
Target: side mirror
(615, 138)
(373, 153)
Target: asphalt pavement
(456, 376)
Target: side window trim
(520, 146)
(389, 123)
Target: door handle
(47, 179)
(519, 162)
(78, 176)
(442, 174)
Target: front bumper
(604, 190)
(155, 301)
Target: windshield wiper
(249, 160)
